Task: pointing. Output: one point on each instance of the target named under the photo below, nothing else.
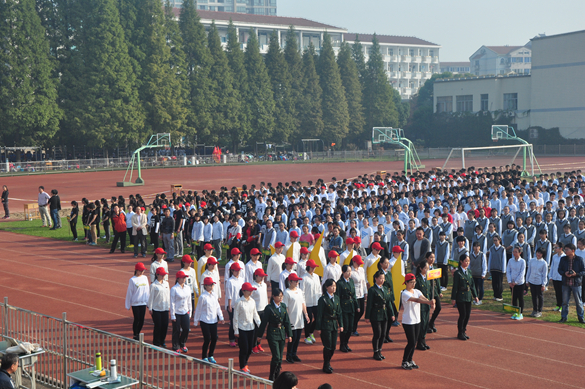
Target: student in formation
(186, 262)
(232, 293)
(208, 314)
(349, 306)
(301, 266)
(478, 268)
(411, 300)
(276, 323)
(180, 312)
(536, 278)
(384, 265)
(332, 270)
(159, 305)
(294, 299)
(202, 262)
(329, 321)
(236, 255)
(379, 313)
(515, 273)
(158, 261)
(424, 286)
(244, 317)
(497, 267)
(358, 276)
(555, 278)
(289, 263)
(137, 298)
(436, 295)
(211, 271)
(311, 286)
(463, 293)
(275, 265)
(252, 265)
(260, 297)
(442, 255)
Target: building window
(203, 7)
(431, 53)
(228, 8)
(272, 3)
(241, 9)
(527, 59)
(444, 104)
(242, 1)
(464, 103)
(390, 51)
(411, 52)
(212, 8)
(511, 101)
(484, 102)
(272, 11)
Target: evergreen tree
(357, 52)
(175, 42)
(294, 62)
(310, 112)
(259, 98)
(379, 107)
(235, 56)
(129, 11)
(281, 87)
(335, 112)
(101, 99)
(161, 92)
(353, 94)
(28, 92)
(225, 116)
(201, 101)
(403, 108)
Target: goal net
(491, 156)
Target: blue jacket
(578, 267)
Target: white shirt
(232, 290)
(411, 314)
(155, 265)
(294, 300)
(332, 271)
(242, 275)
(191, 280)
(245, 315)
(160, 297)
(201, 263)
(250, 268)
(260, 295)
(180, 300)
(282, 279)
(311, 285)
(138, 292)
(359, 279)
(216, 288)
(275, 267)
(207, 310)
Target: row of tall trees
(106, 73)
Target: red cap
(203, 204)
(164, 206)
(208, 246)
(304, 250)
(412, 179)
(380, 184)
(408, 277)
(377, 246)
(397, 249)
(187, 258)
(159, 251)
(323, 187)
(312, 263)
(160, 271)
(349, 241)
(181, 274)
(211, 261)
(450, 176)
(294, 234)
(244, 195)
(371, 184)
(235, 266)
(358, 259)
(316, 236)
(187, 205)
(208, 281)
(332, 254)
(289, 261)
(294, 277)
(463, 175)
(357, 240)
(278, 244)
(140, 266)
(248, 287)
(255, 251)
(235, 251)
(143, 209)
(260, 272)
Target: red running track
(89, 284)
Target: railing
(70, 347)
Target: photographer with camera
(572, 269)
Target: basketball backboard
(503, 132)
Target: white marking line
(63, 301)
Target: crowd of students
(472, 224)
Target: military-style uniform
(389, 284)
(435, 284)
(463, 293)
(277, 325)
(379, 311)
(329, 319)
(346, 292)
(424, 286)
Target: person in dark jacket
(346, 292)
(5, 202)
(329, 319)
(9, 366)
(55, 207)
(572, 269)
(462, 294)
(379, 312)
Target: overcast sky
(459, 26)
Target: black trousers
(358, 315)
(435, 312)
(73, 226)
(256, 341)
(138, 311)
(161, 326)
(537, 297)
(558, 285)
(274, 285)
(231, 335)
(209, 332)
(119, 236)
(246, 343)
(140, 238)
(478, 282)
(379, 332)
(444, 275)
(497, 283)
(130, 237)
(411, 331)
(154, 239)
(291, 347)
(518, 296)
(310, 326)
(180, 331)
(107, 231)
(6, 210)
(464, 308)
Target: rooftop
(481, 77)
(464, 63)
(503, 49)
(392, 39)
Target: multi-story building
(408, 61)
(456, 67)
(492, 60)
(254, 7)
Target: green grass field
(33, 228)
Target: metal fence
(70, 347)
